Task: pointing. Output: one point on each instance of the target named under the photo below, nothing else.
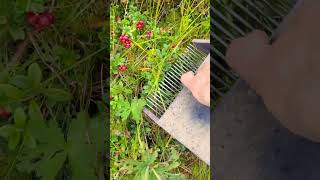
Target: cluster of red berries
(4, 114)
(122, 67)
(125, 39)
(140, 24)
(149, 34)
(41, 20)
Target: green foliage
(50, 85)
(12, 17)
(172, 25)
(149, 168)
(44, 149)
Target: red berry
(122, 67)
(127, 46)
(4, 114)
(139, 24)
(44, 21)
(48, 15)
(116, 153)
(148, 34)
(32, 18)
(126, 37)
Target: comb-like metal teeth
(159, 101)
(226, 28)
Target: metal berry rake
(172, 107)
(235, 19)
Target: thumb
(187, 80)
(247, 56)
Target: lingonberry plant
(52, 89)
(158, 32)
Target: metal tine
(159, 107)
(168, 88)
(251, 15)
(238, 17)
(155, 105)
(163, 92)
(283, 8)
(172, 84)
(197, 52)
(183, 65)
(221, 81)
(158, 99)
(215, 62)
(178, 69)
(215, 50)
(173, 77)
(220, 40)
(151, 105)
(184, 59)
(280, 7)
(151, 108)
(284, 5)
(215, 23)
(217, 91)
(192, 65)
(199, 57)
(240, 31)
(261, 12)
(274, 9)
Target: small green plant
(148, 168)
(41, 146)
(52, 94)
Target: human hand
(199, 84)
(285, 74)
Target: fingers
(241, 50)
(199, 84)
(248, 56)
(187, 80)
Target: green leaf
(3, 20)
(82, 160)
(17, 33)
(34, 75)
(98, 132)
(29, 140)
(77, 131)
(22, 4)
(19, 118)
(20, 81)
(48, 168)
(6, 130)
(36, 125)
(136, 108)
(81, 154)
(4, 76)
(36, 6)
(14, 139)
(11, 91)
(57, 95)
